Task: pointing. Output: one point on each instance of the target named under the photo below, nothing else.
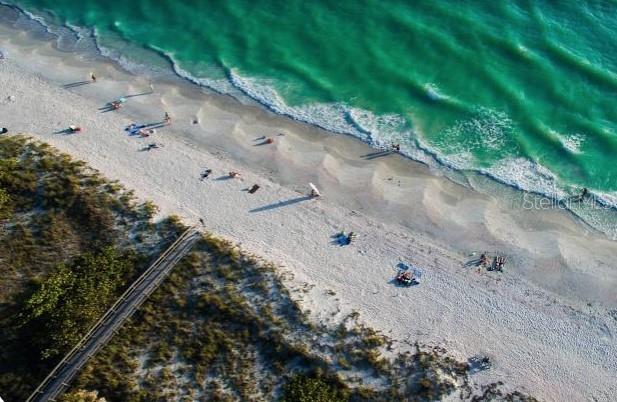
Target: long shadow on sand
(66, 131)
(281, 204)
(375, 155)
(76, 84)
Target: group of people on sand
(313, 193)
(144, 130)
(497, 264)
(406, 278)
(232, 175)
(206, 173)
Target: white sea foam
(377, 130)
(491, 129)
(526, 175)
(572, 142)
(486, 129)
(433, 91)
(218, 85)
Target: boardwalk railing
(57, 381)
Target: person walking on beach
(206, 173)
(584, 193)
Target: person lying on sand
(145, 132)
(74, 129)
(117, 104)
(234, 175)
(268, 141)
(134, 128)
(153, 145)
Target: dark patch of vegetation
(72, 298)
(224, 328)
(301, 388)
(68, 246)
(81, 395)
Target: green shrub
(73, 297)
(302, 388)
(6, 205)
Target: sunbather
(145, 132)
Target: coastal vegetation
(222, 327)
(70, 242)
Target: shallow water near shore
(518, 92)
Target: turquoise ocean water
(522, 91)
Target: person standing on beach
(93, 77)
(167, 119)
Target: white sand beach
(548, 323)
